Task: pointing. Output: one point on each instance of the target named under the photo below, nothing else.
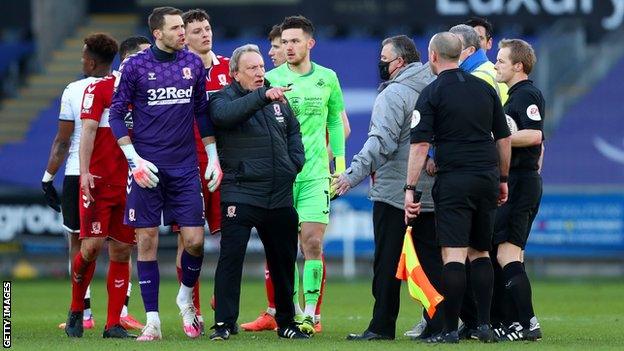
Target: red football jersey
(107, 161)
(218, 76)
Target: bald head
(446, 45)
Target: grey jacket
(385, 152)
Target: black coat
(259, 145)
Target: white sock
(153, 318)
(317, 318)
(271, 311)
(298, 310)
(310, 310)
(124, 311)
(129, 289)
(185, 295)
(88, 293)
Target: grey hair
(403, 46)
(238, 52)
(468, 36)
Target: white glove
(213, 174)
(143, 171)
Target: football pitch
(583, 315)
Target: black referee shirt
(459, 113)
(526, 106)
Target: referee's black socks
(453, 288)
(518, 286)
(482, 280)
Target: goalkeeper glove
(213, 174)
(49, 192)
(143, 171)
(339, 168)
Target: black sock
(498, 315)
(482, 285)
(453, 288)
(519, 287)
(127, 301)
(87, 303)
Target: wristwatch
(409, 187)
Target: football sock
(149, 281)
(317, 312)
(453, 287)
(298, 310)
(87, 303)
(519, 287)
(117, 287)
(482, 280)
(312, 277)
(81, 278)
(268, 285)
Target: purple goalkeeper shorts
(177, 198)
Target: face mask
(384, 69)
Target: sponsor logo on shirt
(169, 96)
(151, 76)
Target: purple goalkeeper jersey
(165, 97)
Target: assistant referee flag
(409, 269)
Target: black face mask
(384, 69)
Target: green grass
(574, 315)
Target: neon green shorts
(311, 200)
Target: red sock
(268, 285)
(196, 302)
(117, 287)
(179, 273)
(82, 273)
(320, 300)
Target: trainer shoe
(264, 322)
(130, 323)
(307, 326)
(190, 323)
(221, 331)
(202, 326)
(292, 331)
(117, 332)
(417, 330)
(485, 333)
(535, 332)
(74, 327)
(318, 328)
(88, 323)
(150, 332)
(444, 338)
(514, 332)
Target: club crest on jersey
(320, 83)
(87, 101)
(131, 215)
(186, 73)
(277, 110)
(222, 80)
(231, 212)
(96, 228)
(151, 76)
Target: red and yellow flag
(409, 269)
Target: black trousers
(389, 230)
(277, 229)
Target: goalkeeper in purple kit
(165, 85)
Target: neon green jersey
(316, 99)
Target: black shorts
(69, 204)
(514, 218)
(465, 208)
